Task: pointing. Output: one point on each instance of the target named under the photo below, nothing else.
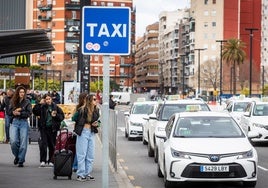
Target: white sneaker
(50, 164)
(43, 164)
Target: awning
(17, 42)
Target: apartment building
(222, 20)
(169, 70)
(61, 19)
(146, 60)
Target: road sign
(106, 30)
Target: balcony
(72, 5)
(45, 7)
(44, 18)
(44, 62)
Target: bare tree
(210, 74)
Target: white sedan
(206, 146)
(134, 119)
(255, 118)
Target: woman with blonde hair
(85, 128)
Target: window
(213, 13)
(213, 1)
(213, 24)
(205, 2)
(205, 24)
(206, 13)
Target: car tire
(249, 184)
(126, 135)
(156, 154)
(159, 172)
(150, 149)
(168, 184)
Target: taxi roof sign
(193, 108)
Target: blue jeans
(85, 152)
(7, 125)
(19, 138)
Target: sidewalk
(32, 176)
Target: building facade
(62, 20)
(146, 60)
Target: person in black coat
(50, 117)
(112, 104)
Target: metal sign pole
(105, 120)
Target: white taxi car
(236, 107)
(134, 119)
(206, 146)
(255, 119)
(159, 120)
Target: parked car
(207, 147)
(134, 119)
(159, 120)
(255, 118)
(237, 107)
(148, 121)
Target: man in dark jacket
(50, 117)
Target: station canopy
(19, 42)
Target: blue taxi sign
(106, 30)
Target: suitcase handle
(60, 149)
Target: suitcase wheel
(55, 177)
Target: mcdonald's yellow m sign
(22, 60)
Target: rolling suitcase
(63, 159)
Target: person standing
(20, 110)
(85, 143)
(81, 102)
(6, 106)
(50, 116)
(112, 104)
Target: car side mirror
(152, 116)
(146, 117)
(126, 113)
(247, 114)
(253, 134)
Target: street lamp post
(250, 62)
(221, 41)
(199, 49)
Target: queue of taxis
(206, 146)
(157, 122)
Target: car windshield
(200, 127)
(170, 109)
(240, 106)
(142, 109)
(260, 110)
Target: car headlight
(258, 125)
(245, 155)
(179, 154)
(135, 124)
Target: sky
(147, 11)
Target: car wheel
(249, 184)
(144, 141)
(159, 172)
(168, 184)
(126, 135)
(155, 154)
(150, 149)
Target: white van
(121, 97)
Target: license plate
(214, 168)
